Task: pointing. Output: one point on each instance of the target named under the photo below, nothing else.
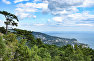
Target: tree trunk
(6, 28)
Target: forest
(21, 45)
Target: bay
(86, 37)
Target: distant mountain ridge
(47, 39)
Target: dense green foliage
(22, 46)
(2, 30)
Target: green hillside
(22, 46)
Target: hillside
(53, 40)
(47, 39)
(21, 45)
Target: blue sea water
(86, 37)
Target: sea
(86, 37)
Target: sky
(51, 15)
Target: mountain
(53, 40)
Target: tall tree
(10, 19)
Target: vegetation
(22, 46)
(2, 30)
(9, 19)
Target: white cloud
(58, 19)
(49, 20)
(16, 1)
(7, 2)
(81, 16)
(23, 15)
(65, 11)
(85, 25)
(1, 23)
(66, 7)
(76, 19)
(38, 24)
(36, 0)
(34, 16)
(57, 7)
(88, 3)
(33, 5)
(29, 8)
(26, 10)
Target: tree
(9, 19)
(39, 42)
(2, 30)
(2, 47)
(11, 43)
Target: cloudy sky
(51, 15)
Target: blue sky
(51, 15)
